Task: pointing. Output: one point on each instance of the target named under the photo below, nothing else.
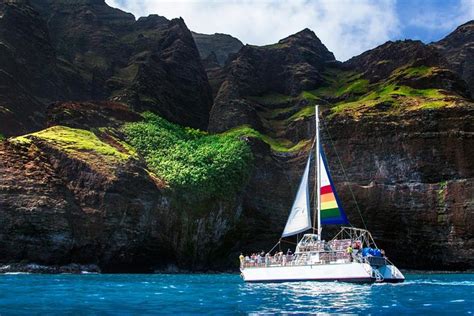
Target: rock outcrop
(58, 50)
(151, 63)
(292, 65)
(413, 178)
(458, 49)
(221, 45)
(61, 204)
(31, 73)
(380, 63)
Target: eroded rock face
(215, 73)
(413, 179)
(88, 115)
(150, 64)
(59, 206)
(169, 77)
(458, 49)
(31, 73)
(292, 65)
(378, 64)
(222, 45)
(410, 171)
(58, 50)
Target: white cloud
(445, 19)
(346, 27)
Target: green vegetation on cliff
(346, 93)
(272, 98)
(388, 96)
(341, 82)
(74, 141)
(280, 145)
(393, 98)
(189, 159)
(414, 72)
(2, 138)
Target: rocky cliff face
(216, 50)
(32, 74)
(292, 65)
(62, 203)
(380, 63)
(150, 64)
(82, 188)
(86, 50)
(400, 122)
(221, 45)
(458, 48)
(413, 180)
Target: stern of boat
(391, 274)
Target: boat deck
(298, 259)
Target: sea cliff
(136, 145)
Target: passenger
(327, 247)
(283, 261)
(357, 245)
(288, 252)
(241, 259)
(349, 251)
(267, 259)
(259, 259)
(289, 258)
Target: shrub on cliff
(189, 159)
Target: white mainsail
(300, 218)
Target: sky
(346, 27)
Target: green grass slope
(189, 159)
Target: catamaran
(351, 256)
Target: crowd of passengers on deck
(262, 258)
(336, 250)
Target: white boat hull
(391, 274)
(343, 272)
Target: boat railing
(299, 259)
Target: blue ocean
(132, 294)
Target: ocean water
(132, 294)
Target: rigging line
(313, 192)
(289, 242)
(345, 174)
(275, 246)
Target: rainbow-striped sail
(331, 209)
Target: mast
(318, 174)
